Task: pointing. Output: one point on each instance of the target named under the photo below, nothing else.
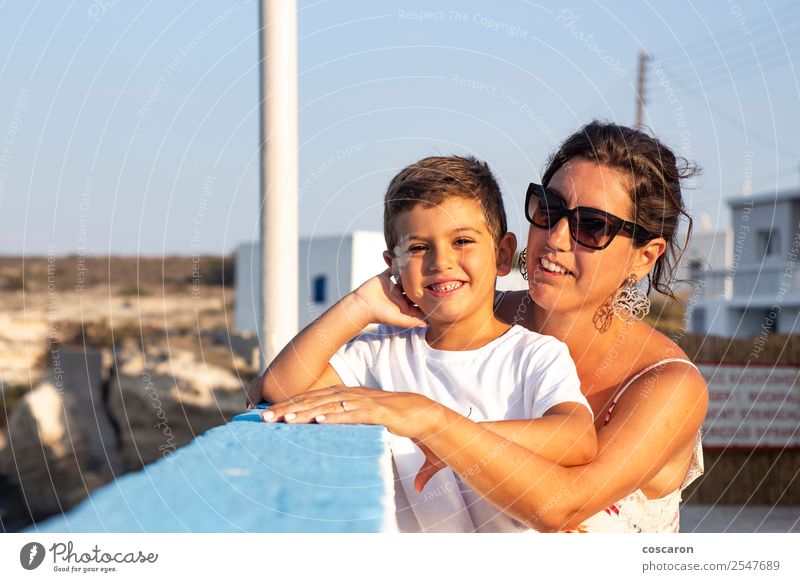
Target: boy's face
(447, 261)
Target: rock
(63, 438)
(23, 346)
(162, 401)
(44, 457)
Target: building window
(770, 324)
(695, 266)
(319, 289)
(768, 242)
(699, 320)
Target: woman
(619, 191)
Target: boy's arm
(565, 434)
(303, 364)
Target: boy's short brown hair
(434, 179)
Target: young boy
(445, 226)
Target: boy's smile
(447, 263)
(444, 288)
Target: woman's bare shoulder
(653, 389)
(637, 359)
(672, 380)
(655, 346)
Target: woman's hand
(385, 303)
(402, 413)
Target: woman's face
(592, 275)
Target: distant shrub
(134, 291)
(12, 283)
(212, 270)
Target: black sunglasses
(589, 227)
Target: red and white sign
(752, 406)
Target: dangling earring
(630, 303)
(522, 263)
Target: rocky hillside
(106, 365)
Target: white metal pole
(279, 176)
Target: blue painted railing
(250, 476)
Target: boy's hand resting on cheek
(384, 302)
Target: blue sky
(126, 125)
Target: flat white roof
(765, 198)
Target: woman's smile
(552, 267)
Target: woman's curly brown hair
(654, 183)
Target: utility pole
(641, 88)
(279, 176)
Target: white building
(758, 288)
(707, 250)
(330, 267)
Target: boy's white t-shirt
(519, 375)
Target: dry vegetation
(102, 302)
(150, 275)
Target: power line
(709, 76)
(747, 59)
(707, 60)
(704, 45)
(756, 65)
(739, 124)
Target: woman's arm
(655, 419)
(564, 434)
